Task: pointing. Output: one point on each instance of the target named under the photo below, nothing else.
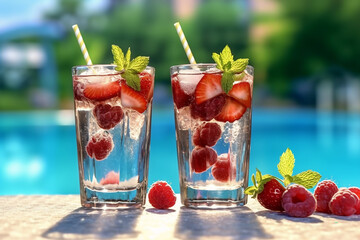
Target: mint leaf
(286, 164)
(227, 81)
(129, 69)
(217, 60)
(239, 65)
(127, 58)
(132, 79)
(119, 58)
(308, 178)
(226, 55)
(139, 64)
(227, 67)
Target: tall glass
(113, 136)
(213, 137)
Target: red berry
(224, 170)
(209, 109)
(107, 116)
(323, 193)
(161, 195)
(131, 98)
(100, 145)
(202, 158)
(146, 85)
(344, 203)
(232, 111)
(110, 178)
(270, 197)
(208, 87)
(297, 201)
(78, 88)
(181, 99)
(102, 91)
(241, 92)
(207, 134)
(356, 190)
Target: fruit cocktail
(113, 134)
(213, 127)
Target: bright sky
(15, 12)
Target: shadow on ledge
(238, 223)
(91, 224)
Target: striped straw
(82, 44)
(184, 43)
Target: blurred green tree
(317, 35)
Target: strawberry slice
(232, 110)
(102, 91)
(146, 85)
(181, 99)
(132, 99)
(242, 93)
(208, 87)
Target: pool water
(38, 149)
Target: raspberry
(323, 193)
(344, 203)
(224, 169)
(356, 190)
(209, 109)
(100, 145)
(181, 99)
(297, 201)
(161, 195)
(202, 158)
(107, 116)
(207, 134)
(110, 178)
(271, 195)
(78, 88)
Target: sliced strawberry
(102, 91)
(208, 87)
(146, 85)
(232, 111)
(242, 93)
(132, 99)
(181, 99)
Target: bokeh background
(306, 88)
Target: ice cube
(188, 82)
(136, 122)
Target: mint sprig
(225, 62)
(286, 165)
(129, 69)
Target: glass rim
(104, 65)
(172, 68)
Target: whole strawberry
(271, 196)
(267, 190)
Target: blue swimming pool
(38, 149)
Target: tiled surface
(61, 217)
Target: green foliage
(314, 36)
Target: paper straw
(82, 44)
(184, 43)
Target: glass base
(213, 199)
(124, 199)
